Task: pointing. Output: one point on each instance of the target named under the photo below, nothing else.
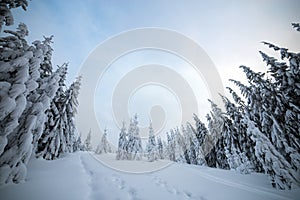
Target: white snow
(81, 176)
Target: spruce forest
(258, 131)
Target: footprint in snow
(132, 194)
(118, 182)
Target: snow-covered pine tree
(215, 127)
(245, 144)
(195, 152)
(87, 142)
(39, 92)
(78, 145)
(186, 144)
(59, 134)
(6, 17)
(103, 146)
(151, 149)
(130, 140)
(160, 148)
(284, 112)
(281, 173)
(179, 145)
(137, 149)
(201, 130)
(170, 148)
(236, 137)
(272, 116)
(71, 104)
(14, 80)
(52, 142)
(122, 144)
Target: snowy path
(80, 176)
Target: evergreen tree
(137, 142)
(281, 173)
(15, 80)
(59, 135)
(71, 103)
(78, 145)
(134, 145)
(122, 144)
(186, 144)
(104, 146)
(170, 148)
(160, 148)
(195, 152)
(25, 106)
(49, 144)
(6, 16)
(201, 130)
(271, 117)
(87, 142)
(236, 137)
(152, 152)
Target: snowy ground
(81, 176)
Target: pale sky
(229, 31)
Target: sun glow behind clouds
(148, 97)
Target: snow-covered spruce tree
(78, 145)
(244, 142)
(215, 127)
(49, 144)
(151, 148)
(59, 135)
(272, 116)
(122, 144)
(39, 92)
(14, 80)
(284, 112)
(170, 148)
(71, 102)
(87, 142)
(201, 130)
(103, 146)
(6, 17)
(186, 144)
(136, 148)
(195, 152)
(236, 137)
(130, 140)
(160, 148)
(281, 173)
(178, 144)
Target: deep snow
(81, 176)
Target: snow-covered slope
(81, 176)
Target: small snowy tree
(103, 146)
(160, 148)
(151, 149)
(87, 142)
(134, 144)
(201, 130)
(136, 149)
(122, 144)
(78, 145)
